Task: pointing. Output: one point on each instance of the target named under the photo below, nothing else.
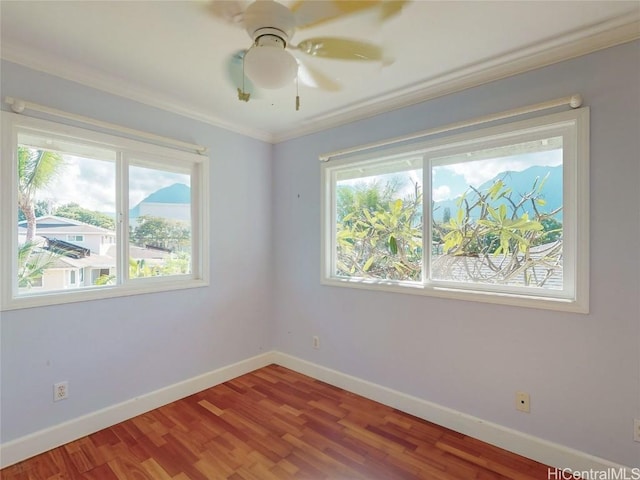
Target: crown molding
(565, 47)
(72, 71)
(580, 42)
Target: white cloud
(441, 193)
(477, 172)
(91, 184)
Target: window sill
(101, 293)
(500, 298)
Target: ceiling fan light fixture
(268, 64)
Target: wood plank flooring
(275, 424)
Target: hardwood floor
(275, 424)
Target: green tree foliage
(378, 234)
(177, 264)
(76, 212)
(160, 232)
(36, 170)
(171, 264)
(492, 239)
(446, 216)
(552, 231)
(105, 280)
(40, 208)
(32, 262)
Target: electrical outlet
(523, 402)
(316, 342)
(60, 391)
(636, 430)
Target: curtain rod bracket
(17, 106)
(576, 101)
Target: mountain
(520, 182)
(177, 193)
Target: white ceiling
(174, 54)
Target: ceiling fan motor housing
(269, 15)
(270, 37)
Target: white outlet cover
(523, 402)
(60, 391)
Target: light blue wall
(582, 371)
(113, 350)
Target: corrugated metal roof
(463, 268)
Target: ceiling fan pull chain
(242, 95)
(297, 93)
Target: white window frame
(198, 166)
(574, 125)
(75, 238)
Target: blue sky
(91, 184)
(451, 181)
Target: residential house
(96, 239)
(72, 271)
(84, 252)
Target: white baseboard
(543, 451)
(52, 437)
(514, 441)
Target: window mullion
(332, 203)
(122, 224)
(426, 220)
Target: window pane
(379, 221)
(159, 222)
(66, 210)
(497, 216)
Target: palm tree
(32, 262)
(36, 169)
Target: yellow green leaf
(393, 245)
(368, 264)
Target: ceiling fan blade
(390, 8)
(310, 13)
(229, 11)
(312, 77)
(340, 48)
(236, 75)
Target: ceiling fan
(270, 62)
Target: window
(496, 215)
(141, 211)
